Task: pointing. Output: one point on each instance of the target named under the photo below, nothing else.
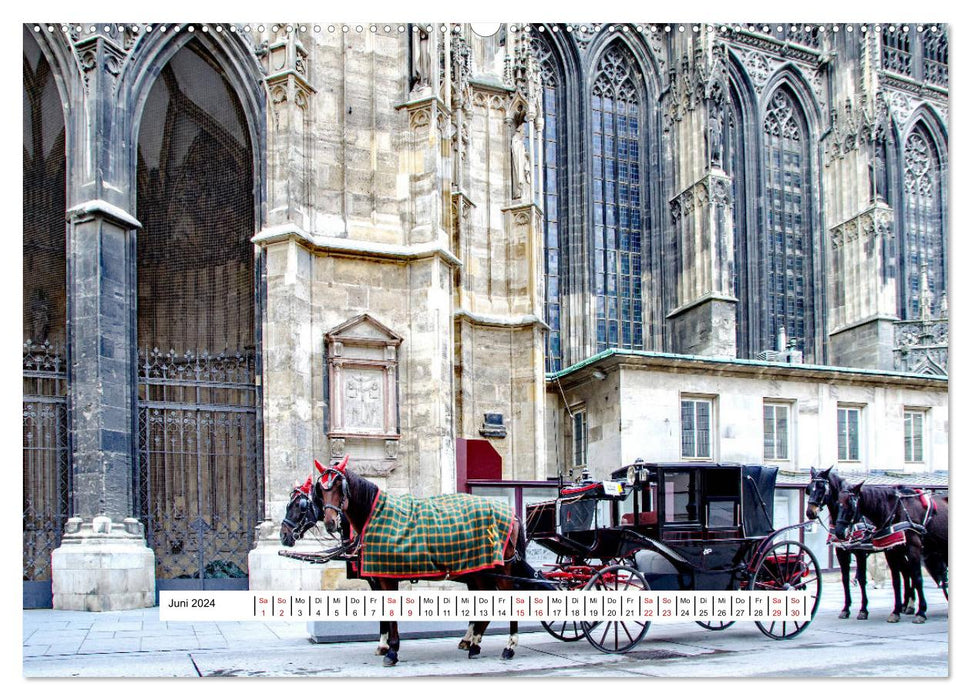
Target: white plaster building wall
(642, 419)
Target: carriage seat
(648, 518)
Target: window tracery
(617, 198)
(787, 240)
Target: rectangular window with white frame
(914, 422)
(697, 427)
(776, 427)
(579, 437)
(849, 427)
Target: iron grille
(46, 473)
(199, 467)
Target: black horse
(340, 493)
(923, 520)
(823, 492)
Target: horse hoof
(909, 610)
(474, 651)
(919, 619)
(391, 658)
(894, 617)
(864, 615)
(381, 651)
(509, 653)
(844, 614)
(464, 644)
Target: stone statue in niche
(715, 135)
(421, 59)
(40, 316)
(522, 169)
(878, 170)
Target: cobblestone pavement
(136, 644)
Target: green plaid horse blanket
(407, 537)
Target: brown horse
(823, 492)
(339, 493)
(923, 518)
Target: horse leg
(861, 580)
(909, 591)
(918, 582)
(466, 641)
(896, 571)
(383, 641)
(389, 643)
(843, 557)
(394, 644)
(510, 650)
(478, 630)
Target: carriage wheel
(788, 566)
(616, 636)
(564, 630)
(716, 625)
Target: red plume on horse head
(340, 466)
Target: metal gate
(46, 473)
(199, 471)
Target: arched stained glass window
(554, 238)
(786, 243)
(923, 245)
(617, 202)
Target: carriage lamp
(631, 475)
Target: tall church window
(617, 202)
(923, 244)
(787, 236)
(554, 238)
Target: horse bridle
(327, 480)
(299, 529)
(852, 505)
(826, 491)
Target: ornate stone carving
(656, 43)
(362, 372)
(336, 448)
(921, 346)
(419, 118)
(758, 67)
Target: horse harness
(860, 536)
(892, 533)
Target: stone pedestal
(268, 571)
(706, 327)
(868, 344)
(102, 566)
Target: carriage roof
(756, 487)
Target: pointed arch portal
(199, 481)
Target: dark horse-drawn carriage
(671, 527)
